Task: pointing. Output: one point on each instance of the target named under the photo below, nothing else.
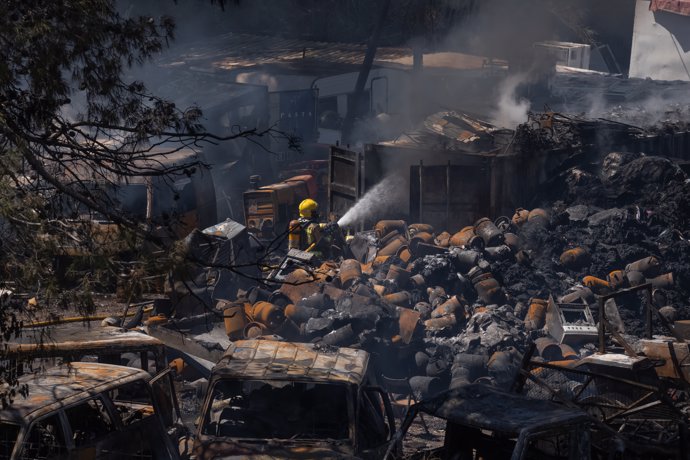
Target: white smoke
(379, 202)
(512, 110)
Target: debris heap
(439, 309)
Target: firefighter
(308, 234)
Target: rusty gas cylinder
(568, 352)
(384, 227)
(350, 272)
(388, 237)
(418, 228)
(648, 266)
(418, 281)
(664, 281)
(449, 307)
(520, 217)
(504, 224)
(253, 330)
(488, 232)
(597, 285)
(635, 278)
(548, 349)
(437, 295)
(438, 324)
(465, 259)
(379, 260)
(289, 330)
(300, 314)
(536, 314)
(380, 289)
(235, 320)
(489, 291)
(423, 237)
(268, 314)
(401, 298)
(462, 237)
(343, 336)
(581, 295)
(443, 239)
(398, 275)
(425, 387)
(364, 290)
(539, 216)
(404, 254)
(617, 279)
(393, 246)
(500, 252)
(575, 258)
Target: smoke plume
(511, 109)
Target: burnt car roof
(63, 385)
(272, 360)
(76, 337)
(482, 406)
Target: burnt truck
(269, 399)
(485, 422)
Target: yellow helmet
(308, 208)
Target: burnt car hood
(228, 449)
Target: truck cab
(485, 422)
(280, 400)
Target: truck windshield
(277, 410)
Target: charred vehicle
(280, 399)
(268, 210)
(37, 347)
(89, 411)
(169, 204)
(484, 422)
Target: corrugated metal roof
(271, 360)
(235, 51)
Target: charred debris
(580, 297)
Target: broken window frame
(174, 419)
(350, 394)
(20, 445)
(387, 414)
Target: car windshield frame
(18, 430)
(254, 416)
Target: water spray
(384, 197)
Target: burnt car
(285, 400)
(91, 411)
(34, 348)
(485, 422)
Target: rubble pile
(444, 309)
